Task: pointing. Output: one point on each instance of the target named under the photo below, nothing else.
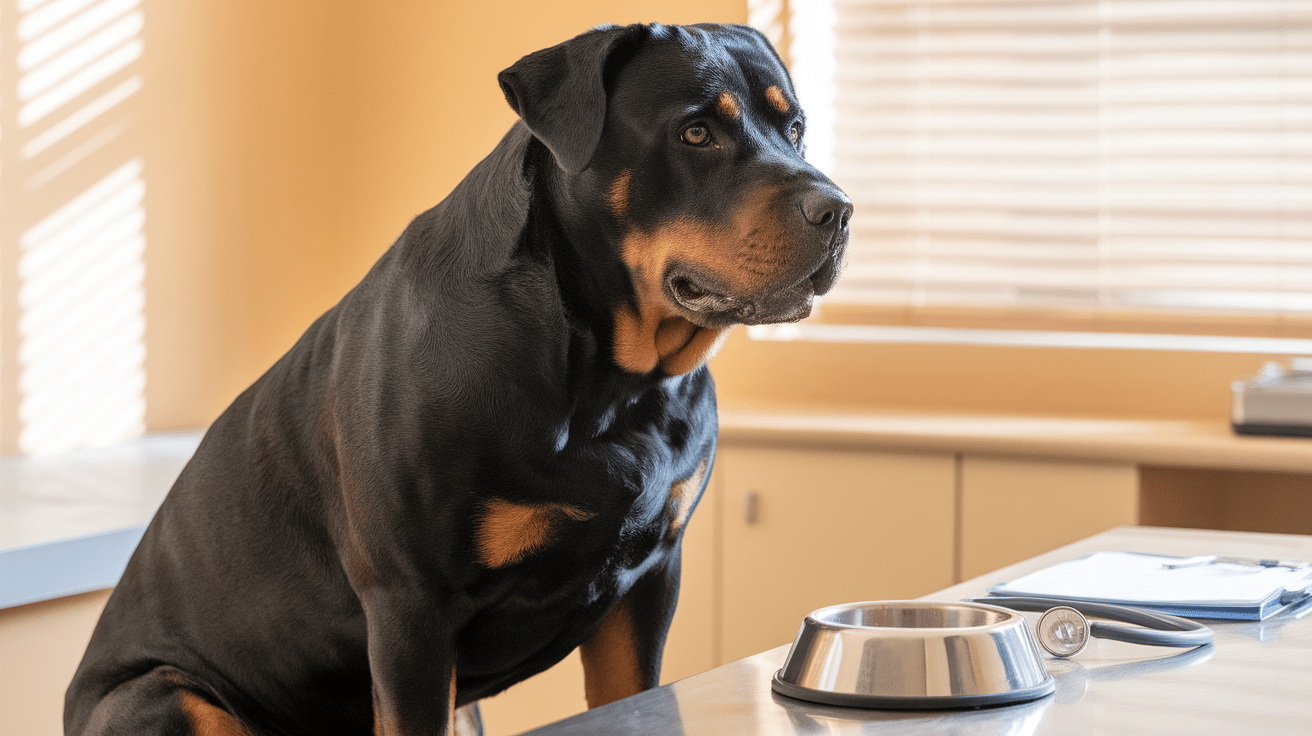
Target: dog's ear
(560, 92)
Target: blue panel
(66, 567)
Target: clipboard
(1215, 589)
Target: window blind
(1144, 155)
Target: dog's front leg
(412, 664)
(623, 657)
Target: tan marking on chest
(618, 197)
(728, 105)
(682, 495)
(508, 532)
(775, 96)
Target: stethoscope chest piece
(1062, 631)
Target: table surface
(1256, 678)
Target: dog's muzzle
(826, 212)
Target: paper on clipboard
(1217, 590)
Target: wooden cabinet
(1014, 509)
(806, 528)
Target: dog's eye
(696, 135)
(795, 133)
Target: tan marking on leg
(775, 97)
(610, 660)
(451, 705)
(682, 494)
(509, 532)
(618, 197)
(728, 105)
(207, 719)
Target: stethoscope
(1063, 629)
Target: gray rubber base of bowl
(928, 702)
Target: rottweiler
(486, 454)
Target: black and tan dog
(485, 456)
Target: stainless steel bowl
(914, 655)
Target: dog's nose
(823, 207)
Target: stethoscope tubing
(1150, 628)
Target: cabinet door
(809, 528)
(1014, 509)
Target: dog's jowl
(486, 454)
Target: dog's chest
(615, 476)
(609, 502)
(559, 544)
(539, 608)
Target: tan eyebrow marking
(775, 97)
(728, 105)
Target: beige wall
(289, 143)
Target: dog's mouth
(709, 303)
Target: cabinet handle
(752, 507)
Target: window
(1114, 166)
(72, 244)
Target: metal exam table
(1256, 678)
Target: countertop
(1182, 443)
(1256, 678)
(68, 523)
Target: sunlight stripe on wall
(81, 324)
(74, 122)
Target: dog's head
(688, 142)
